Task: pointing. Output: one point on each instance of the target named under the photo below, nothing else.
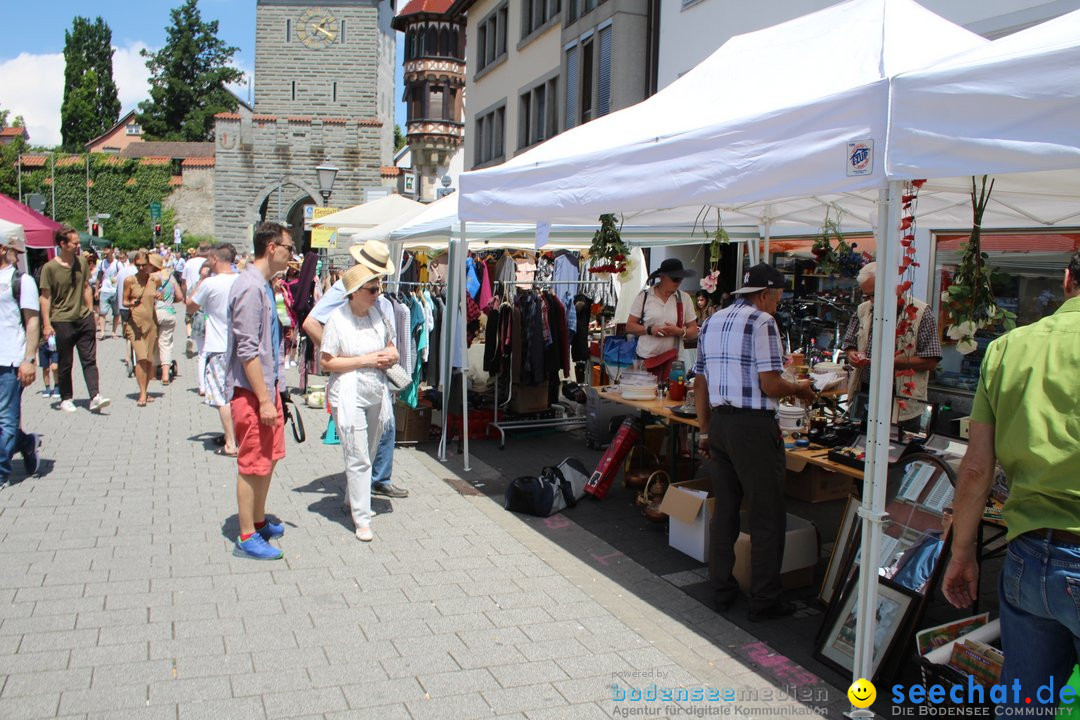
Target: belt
(732, 410)
(1055, 537)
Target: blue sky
(31, 59)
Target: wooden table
(797, 458)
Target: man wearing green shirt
(1026, 415)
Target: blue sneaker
(47, 392)
(270, 530)
(30, 458)
(256, 548)
(56, 392)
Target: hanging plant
(608, 253)
(969, 301)
(718, 238)
(839, 260)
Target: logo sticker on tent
(860, 157)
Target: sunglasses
(373, 289)
(140, 265)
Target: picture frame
(836, 645)
(844, 540)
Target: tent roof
(373, 213)
(10, 230)
(1005, 107)
(38, 228)
(770, 114)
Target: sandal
(222, 451)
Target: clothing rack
(567, 422)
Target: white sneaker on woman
(364, 534)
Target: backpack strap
(16, 291)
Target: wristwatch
(31, 360)
(648, 329)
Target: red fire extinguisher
(624, 441)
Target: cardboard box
(525, 399)
(689, 506)
(413, 424)
(800, 554)
(814, 484)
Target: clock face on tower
(318, 28)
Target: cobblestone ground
(119, 597)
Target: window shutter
(603, 89)
(571, 86)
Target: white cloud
(33, 86)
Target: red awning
(40, 230)
(1016, 242)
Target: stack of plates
(637, 385)
(828, 367)
(638, 392)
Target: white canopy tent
(814, 117)
(371, 214)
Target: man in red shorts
(254, 378)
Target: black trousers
(81, 334)
(747, 451)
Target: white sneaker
(68, 406)
(364, 534)
(98, 403)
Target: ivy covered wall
(120, 187)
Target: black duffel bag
(541, 496)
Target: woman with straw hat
(357, 348)
(167, 296)
(140, 328)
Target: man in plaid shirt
(736, 385)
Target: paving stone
(458, 682)
(528, 697)
(231, 709)
(414, 665)
(39, 642)
(261, 683)
(383, 692)
(383, 712)
(115, 698)
(30, 708)
(528, 673)
(297, 702)
(456, 707)
(45, 681)
(185, 690)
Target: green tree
(91, 105)
(188, 78)
(399, 138)
(9, 156)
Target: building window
(588, 76)
(333, 92)
(538, 116)
(491, 37)
(534, 13)
(603, 72)
(341, 35)
(134, 129)
(288, 31)
(585, 96)
(490, 142)
(571, 85)
(293, 89)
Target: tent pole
(445, 371)
(883, 347)
(463, 346)
(768, 232)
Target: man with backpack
(19, 333)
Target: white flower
(967, 345)
(945, 296)
(962, 330)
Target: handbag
(398, 378)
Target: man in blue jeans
(20, 329)
(1026, 416)
(383, 465)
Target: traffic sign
(104, 216)
(177, 235)
(155, 211)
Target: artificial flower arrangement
(608, 253)
(969, 301)
(717, 239)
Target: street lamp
(327, 175)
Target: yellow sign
(321, 238)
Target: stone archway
(284, 201)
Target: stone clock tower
(324, 93)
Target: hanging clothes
(485, 286)
(579, 343)
(506, 275)
(472, 283)
(419, 337)
(410, 270)
(566, 276)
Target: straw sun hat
(356, 276)
(374, 255)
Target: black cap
(761, 277)
(673, 268)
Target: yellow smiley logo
(862, 693)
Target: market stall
(806, 126)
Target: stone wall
(255, 157)
(193, 201)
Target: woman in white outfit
(357, 347)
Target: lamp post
(327, 175)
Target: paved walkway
(119, 597)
